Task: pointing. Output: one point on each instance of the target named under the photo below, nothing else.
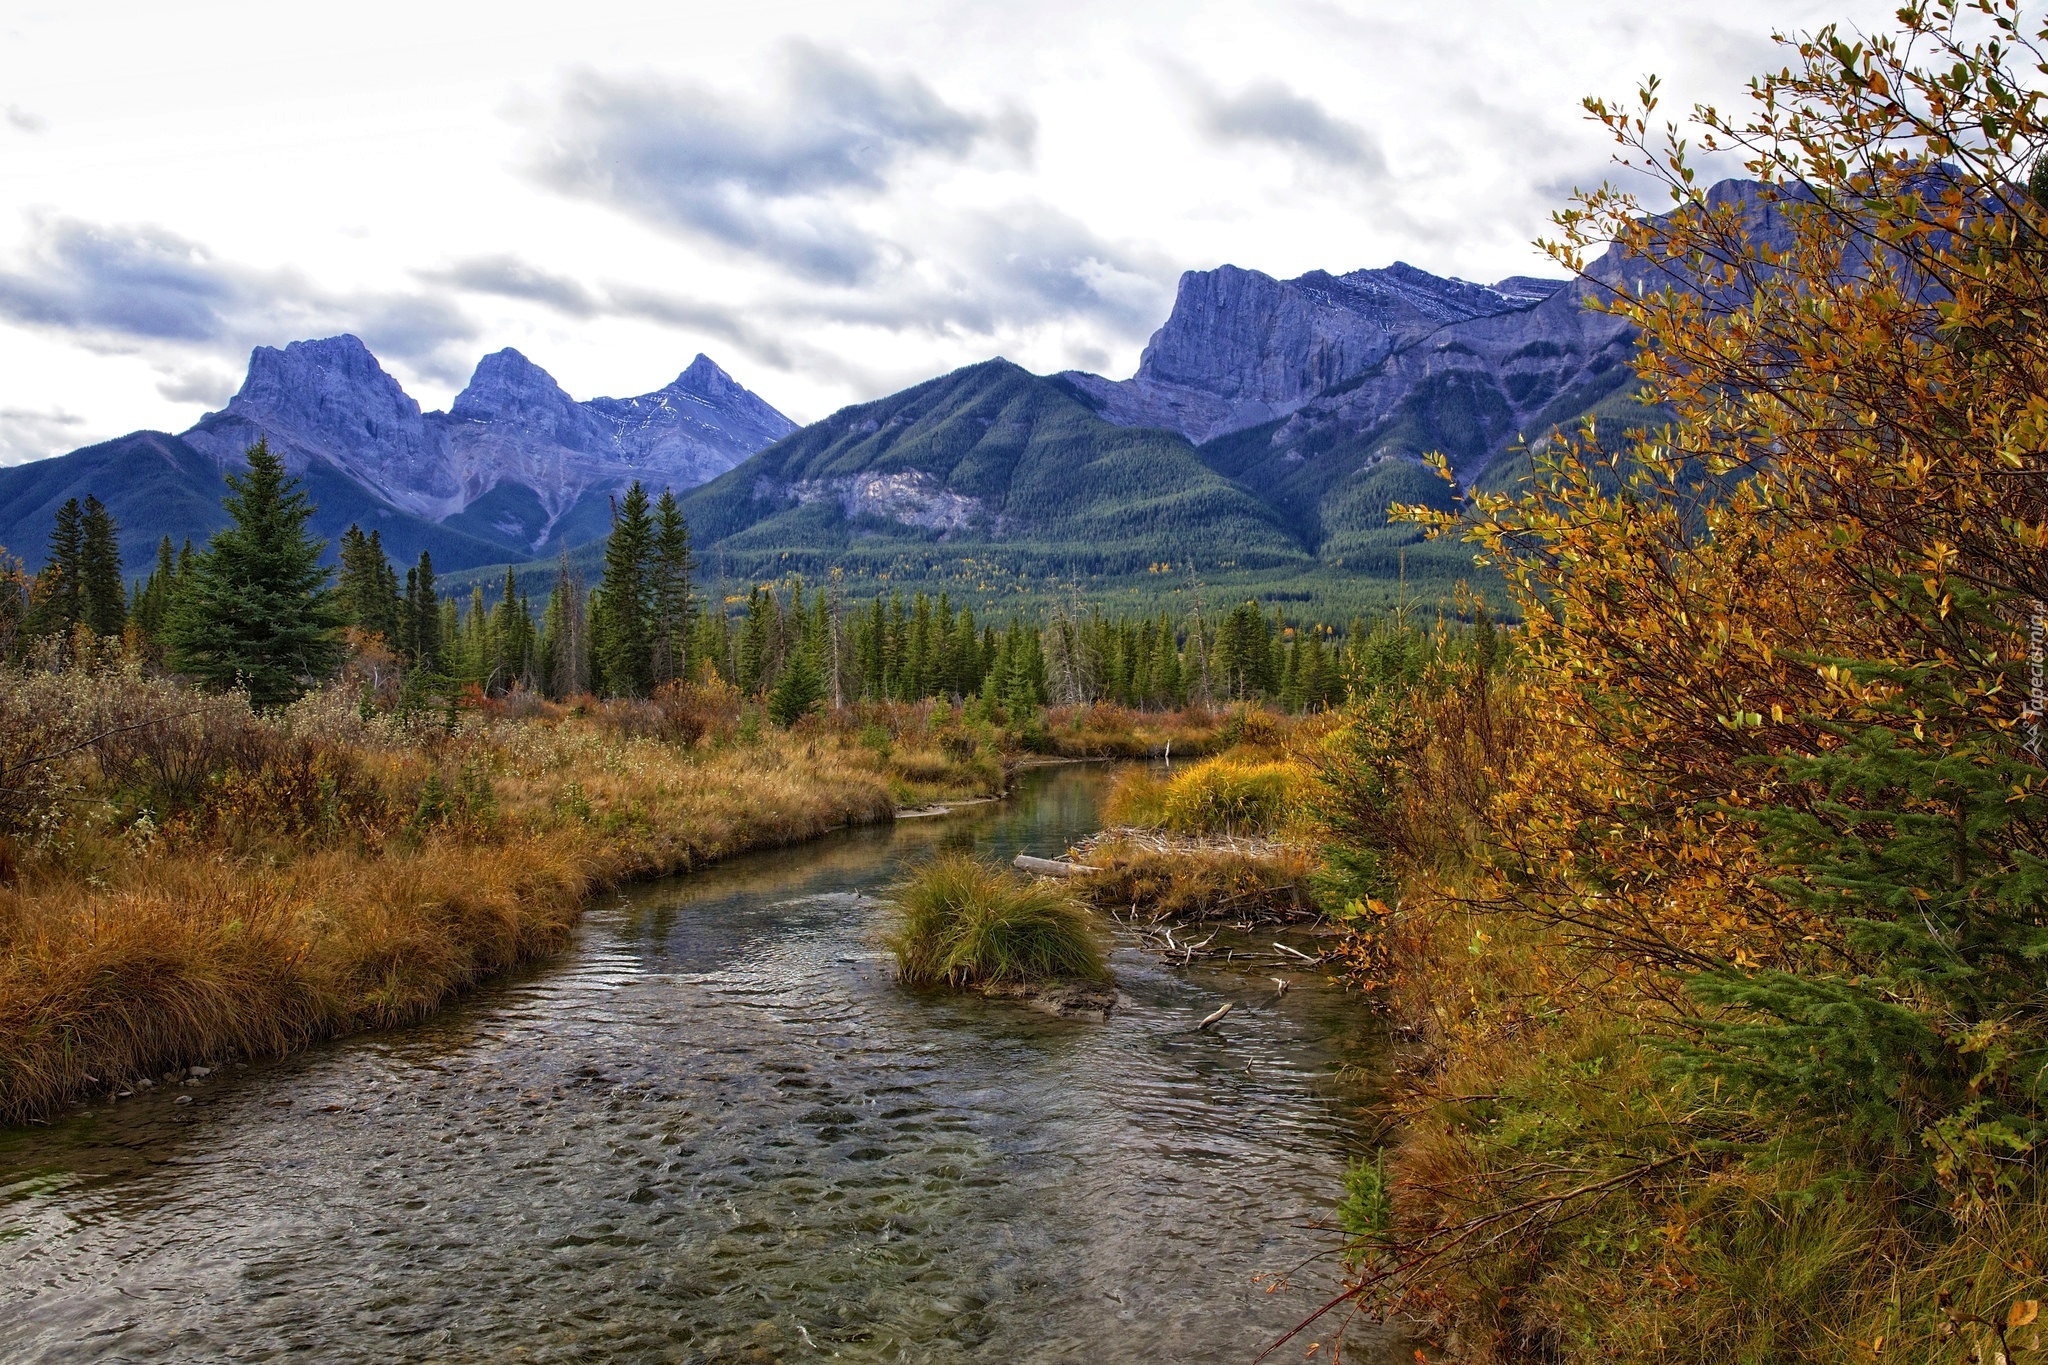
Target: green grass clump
(961, 922)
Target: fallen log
(1048, 867)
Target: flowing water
(717, 1130)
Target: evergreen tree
(103, 601)
(669, 596)
(872, 656)
(713, 647)
(1244, 661)
(800, 684)
(756, 643)
(58, 596)
(1166, 669)
(512, 639)
(257, 612)
(564, 664)
(1312, 669)
(419, 623)
(367, 590)
(153, 599)
(624, 634)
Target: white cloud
(30, 434)
(832, 200)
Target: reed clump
(1234, 793)
(961, 922)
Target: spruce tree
(153, 598)
(624, 635)
(564, 663)
(58, 598)
(103, 600)
(800, 684)
(366, 591)
(712, 649)
(1166, 667)
(419, 618)
(755, 643)
(669, 614)
(256, 612)
(873, 660)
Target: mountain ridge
(1268, 427)
(514, 468)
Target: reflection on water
(718, 1131)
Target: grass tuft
(962, 922)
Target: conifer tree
(871, 658)
(1166, 667)
(58, 597)
(419, 623)
(712, 651)
(756, 643)
(367, 589)
(669, 596)
(624, 635)
(512, 638)
(800, 683)
(564, 645)
(103, 601)
(153, 598)
(256, 612)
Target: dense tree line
(256, 608)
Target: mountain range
(515, 469)
(1268, 427)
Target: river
(716, 1130)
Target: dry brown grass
(1105, 730)
(220, 884)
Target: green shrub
(961, 922)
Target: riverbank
(717, 1124)
(186, 881)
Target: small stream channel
(717, 1130)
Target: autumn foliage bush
(1729, 954)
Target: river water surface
(717, 1130)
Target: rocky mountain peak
(329, 400)
(506, 386)
(315, 382)
(512, 392)
(704, 378)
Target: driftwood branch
(1050, 867)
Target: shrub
(961, 922)
(1232, 795)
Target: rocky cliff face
(1242, 348)
(329, 400)
(513, 440)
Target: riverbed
(717, 1130)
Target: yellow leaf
(2022, 1312)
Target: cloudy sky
(832, 200)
